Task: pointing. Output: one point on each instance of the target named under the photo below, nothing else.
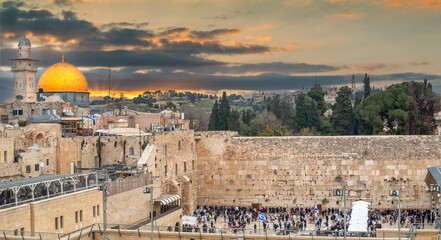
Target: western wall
(298, 171)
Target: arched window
(131, 151)
(39, 140)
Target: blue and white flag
(91, 118)
(262, 217)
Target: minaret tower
(24, 69)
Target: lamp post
(342, 192)
(102, 175)
(435, 188)
(149, 190)
(397, 193)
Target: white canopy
(359, 217)
(166, 199)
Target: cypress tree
(213, 117)
(367, 86)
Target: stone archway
(39, 140)
(177, 226)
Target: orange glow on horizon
(131, 94)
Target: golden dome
(62, 77)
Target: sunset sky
(228, 44)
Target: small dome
(24, 42)
(63, 77)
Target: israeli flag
(262, 217)
(91, 118)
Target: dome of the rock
(62, 77)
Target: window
(185, 167)
(5, 155)
(56, 223)
(165, 150)
(47, 161)
(131, 151)
(81, 215)
(192, 164)
(97, 210)
(76, 217)
(37, 167)
(15, 232)
(61, 222)
(22, 231)
(28, 169)
(20, 112)
(94, 211)
(176, 169)
(179, 146)
(14, 112)
(165, 170)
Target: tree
(169, 105)
(212, 126)
(224, 113)
(222, 118)
(268, 132)
(306, 113)
(317, 94)
(234, 121)
(405, 108)
(198, 118)
(342, 117)
(366, 86)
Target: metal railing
(203, 233)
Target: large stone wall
(175, 164)
(297, 171)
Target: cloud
(425, 4)
(419, 63)
(172, 31)
(347, 14)
(373, 67)
(63, 3)
(70, 32)
(214, 33)
(124, 24)
(281, 68)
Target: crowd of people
(289, 220)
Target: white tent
(359, 217)
(189, 220)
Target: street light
(149, 190)
(342, 192)
(435, 188)
(103, 176)
(395, 193)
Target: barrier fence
(96, 231)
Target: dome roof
(24, 42)
(62, 77)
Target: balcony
(24, 68)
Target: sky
(234, 45)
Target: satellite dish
(19, 97)
(35, 146)
(42, 164)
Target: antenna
(353, 83)
(109, 81)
